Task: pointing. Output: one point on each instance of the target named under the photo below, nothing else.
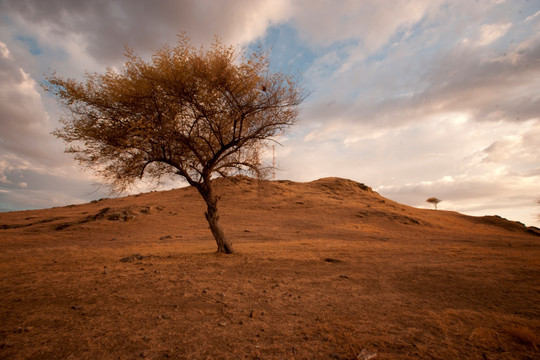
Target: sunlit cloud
(488, 33)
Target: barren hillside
(324, 270)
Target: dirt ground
(323, 270)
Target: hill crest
(332, 205)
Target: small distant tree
(434, 201)
(198, 114)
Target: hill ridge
(354, 206)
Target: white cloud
(403, 87)
(372, 23)
(24, 128)
(502, 176)
(493, 194)
(488, 33)
(534, 16)
(31, 160)
(4, 51)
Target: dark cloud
(106, 26)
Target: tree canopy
(196, 113)
(434, 201)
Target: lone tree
(195, 113)
(434, 201)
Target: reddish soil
(323, 270)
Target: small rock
(76, 307)
(146, 210)
(332, 260)
(366, 355)
(132, 257)
(62, 226)
(343, 277)
(223, 324)
(252, 314)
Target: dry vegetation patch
(310, 280)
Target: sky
(412, 98)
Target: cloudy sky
(413, 98)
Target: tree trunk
(212, 216)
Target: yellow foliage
(192, 112)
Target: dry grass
(523, 335)
(408, 283)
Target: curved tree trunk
(212, 216)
